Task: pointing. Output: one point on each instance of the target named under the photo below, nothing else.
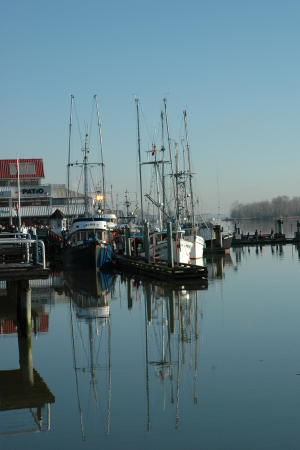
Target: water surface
(132, 364)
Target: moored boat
(182, 247)
(86, 246)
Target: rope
(78, 124)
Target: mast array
(170, 150)
(190, 171)
(69, 161)
(139, 152)
(85, 164)
(102, 161)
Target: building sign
(32, 191)
(5, 193)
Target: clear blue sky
(233, 65)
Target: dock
(265, 240)
(22, 259)
(182, 274)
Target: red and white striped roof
(5, 169)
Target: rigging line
(145, 121)
(91, 122)
(213, 212)
(82, 343)
(99, 345)
(182, 118)
(92, 180)
(78, 123)
(79, 181)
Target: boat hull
(181, 251)
(196, 256)
(226, 242)
(90, 255)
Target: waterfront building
(38, 201)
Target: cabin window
(99, 235)
(91, 234)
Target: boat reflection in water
(90, 324)
(216, 264)
(173, 316)
(173, 323)
(90, 292)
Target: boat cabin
(84, 229)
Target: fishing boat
(188, 244)
(85, 245)
(185, 203)
(211, 242)
(182, 248)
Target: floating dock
(265, 240)
(183, 274)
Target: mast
(102, 162)
(157, 186)
(169, 141)
(177, 180)
(85, 166)
(190, 172)
(184, 171)
(69, 161)
(19, 200)
(112, 199)
(139, 152)
(163, 163)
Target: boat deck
(22, 271)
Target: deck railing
(26, 242)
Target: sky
(233, 65)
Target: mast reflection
(173, 319)
(91, 339)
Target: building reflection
(25, 397)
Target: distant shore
(234, 219)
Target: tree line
(281, 206)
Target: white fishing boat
(182, 248)
(185, 204)
(112, 221)
(86, 242)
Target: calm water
(136, 365)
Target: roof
(57, 215)
(28, 168)
(62, 192)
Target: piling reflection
(275, 250)
(25, 397)
(216, 266)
